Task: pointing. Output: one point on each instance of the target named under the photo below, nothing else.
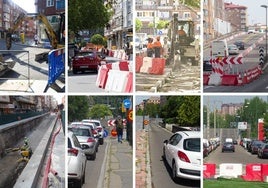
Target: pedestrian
(166, 47)
(150, 49)
(119, 128)
(158, 49)
(36, 39)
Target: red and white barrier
(152, 65)
(209, 170)
(115, 77)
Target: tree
(99, 111)
(98, 40)
(191, 3)
(78, 108)
(86, 15)
(138, 25)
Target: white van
(229, 140)
(219, 48)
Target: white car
(99, 128)
(76, 162)
(183, 154)
(233, 49)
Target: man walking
(119, 128)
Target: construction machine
(56, 38)
(183, 41)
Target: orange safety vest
(149, 45)
(157, 44)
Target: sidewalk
(142, 161)
(119, 164)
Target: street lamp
(265, 6)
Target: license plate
(83, 66)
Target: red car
(85, 61)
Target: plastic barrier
(209, 170)
(264, 172)
(158, 66)
(215, 79)
(146, 64)
(139, 60)
(103, 76)
(230, 170)
(116, 81)
(229, 80)
(253, 172)
(56, 66)
(129, 84)
(245, 79)
(205, 79)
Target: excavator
(183, 41)
(56, 38)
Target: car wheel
(78, 183)
(93, 157)
(74, 71)
(101, 141)
(164, 154)
(174, 172)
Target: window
(50, 3)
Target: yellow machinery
(56, 39)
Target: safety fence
(150, 65)
(56, 66)
(249, 172)
(116, 77)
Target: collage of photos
(133, 93)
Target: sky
(255, 11)
(223, 99)
(27, 5)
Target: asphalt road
(161, 173)
(239, 156)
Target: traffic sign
(127, 103)
(130, 115)
(233, 60)
(146, 122)
(261, 52)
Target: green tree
(138, 25)
(98, 40)
(189, 112)
(191, 3)
(152, 109)
(78, 108)
(162, 24)
(85, 15)
(99, 111)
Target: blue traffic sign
(127, 103)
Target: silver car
(76, 162)
(86, 139)
(99, 128)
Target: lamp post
(265, 6)
(144, 103)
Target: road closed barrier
(229, 80)
(115, 77)
(256, 172)
(151, 65)
(231, 170)
(209, 170)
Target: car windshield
(81, 132)
(90, 54)
(192, 144)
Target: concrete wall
(12, 132)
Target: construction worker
(150, 49)
(157, 48)
(181, 32)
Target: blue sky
(255, 11)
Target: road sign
(130, 115)
(261, 52)
(146, 122)
(233, 60)
(127, 103)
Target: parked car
(240, 45)
(207, 66)
(99, 127)
(251, 31)
(235, 142)
(205, 150)
(182, 152)
(76, 162)
(255, 145)
(85, 61)
(15, 37)
(233, 50)
(228, 146)
(263, 151)
(86, 139)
